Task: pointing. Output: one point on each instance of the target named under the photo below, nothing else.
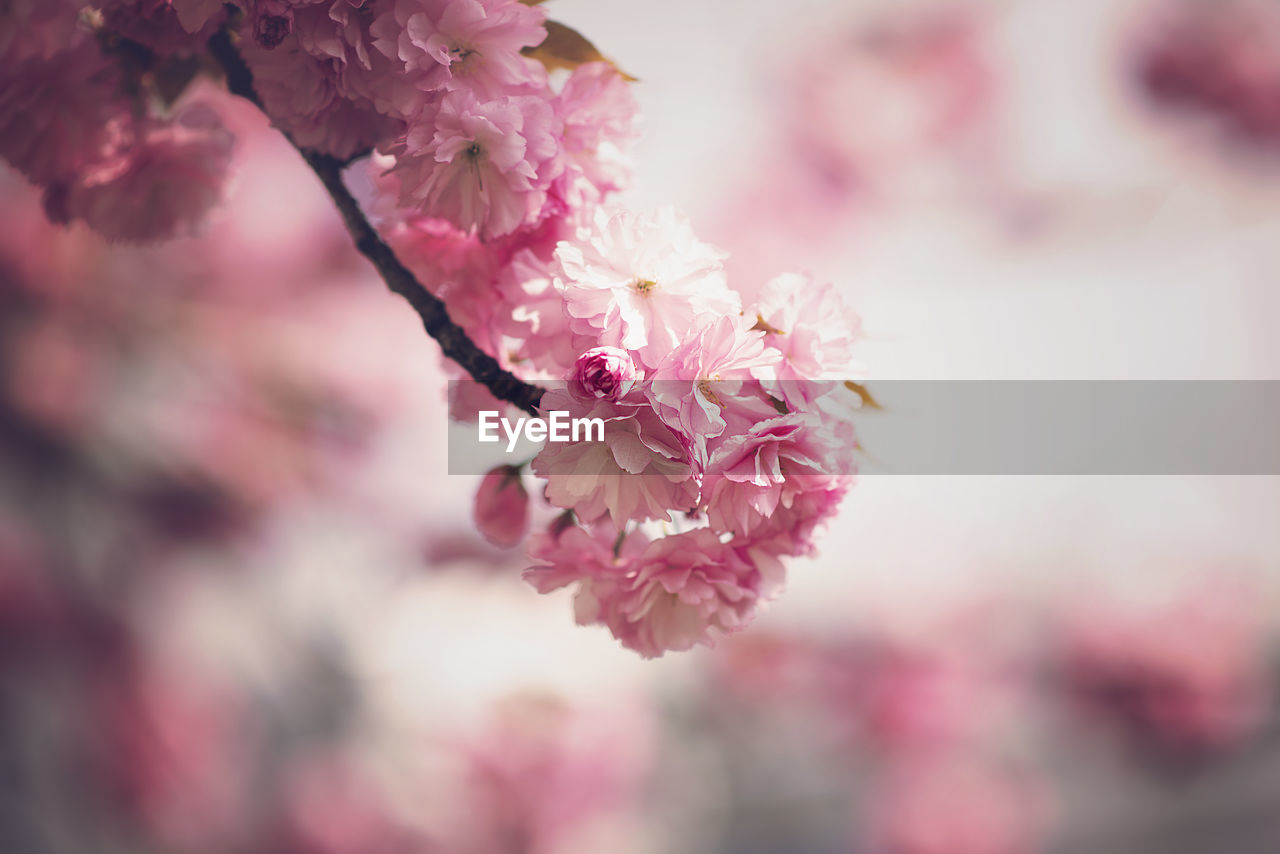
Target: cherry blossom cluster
(727, 440)
(83, 115)
(490, 141)
(92, 106)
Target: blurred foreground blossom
(502, 507)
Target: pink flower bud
(603, 372)
(502, 507)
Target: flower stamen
(764, 326)
(707, 390)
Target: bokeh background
(243, 609)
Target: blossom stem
(453, 340)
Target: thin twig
(453, 340)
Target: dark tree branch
(453, 340)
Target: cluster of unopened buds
(484, 142)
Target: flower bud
(603, 373)
(502, 507)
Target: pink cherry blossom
(547, 347)
(483, 166)
(271, 21)
(158, 186)
(339, 33)
(708, 378)
(301, 95)
(603, 373)
(599, 114)
(642, 469)
(498, 290)
(751, 475)
(57, 115)
(470, 44)
(457, 267)
(156, 24)
(683, 586)
(790, 529)
(502, 507)
(537, 337)
(669, 595)
(808, 325)
(566, 553)
(336, 29)
(642, 282)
